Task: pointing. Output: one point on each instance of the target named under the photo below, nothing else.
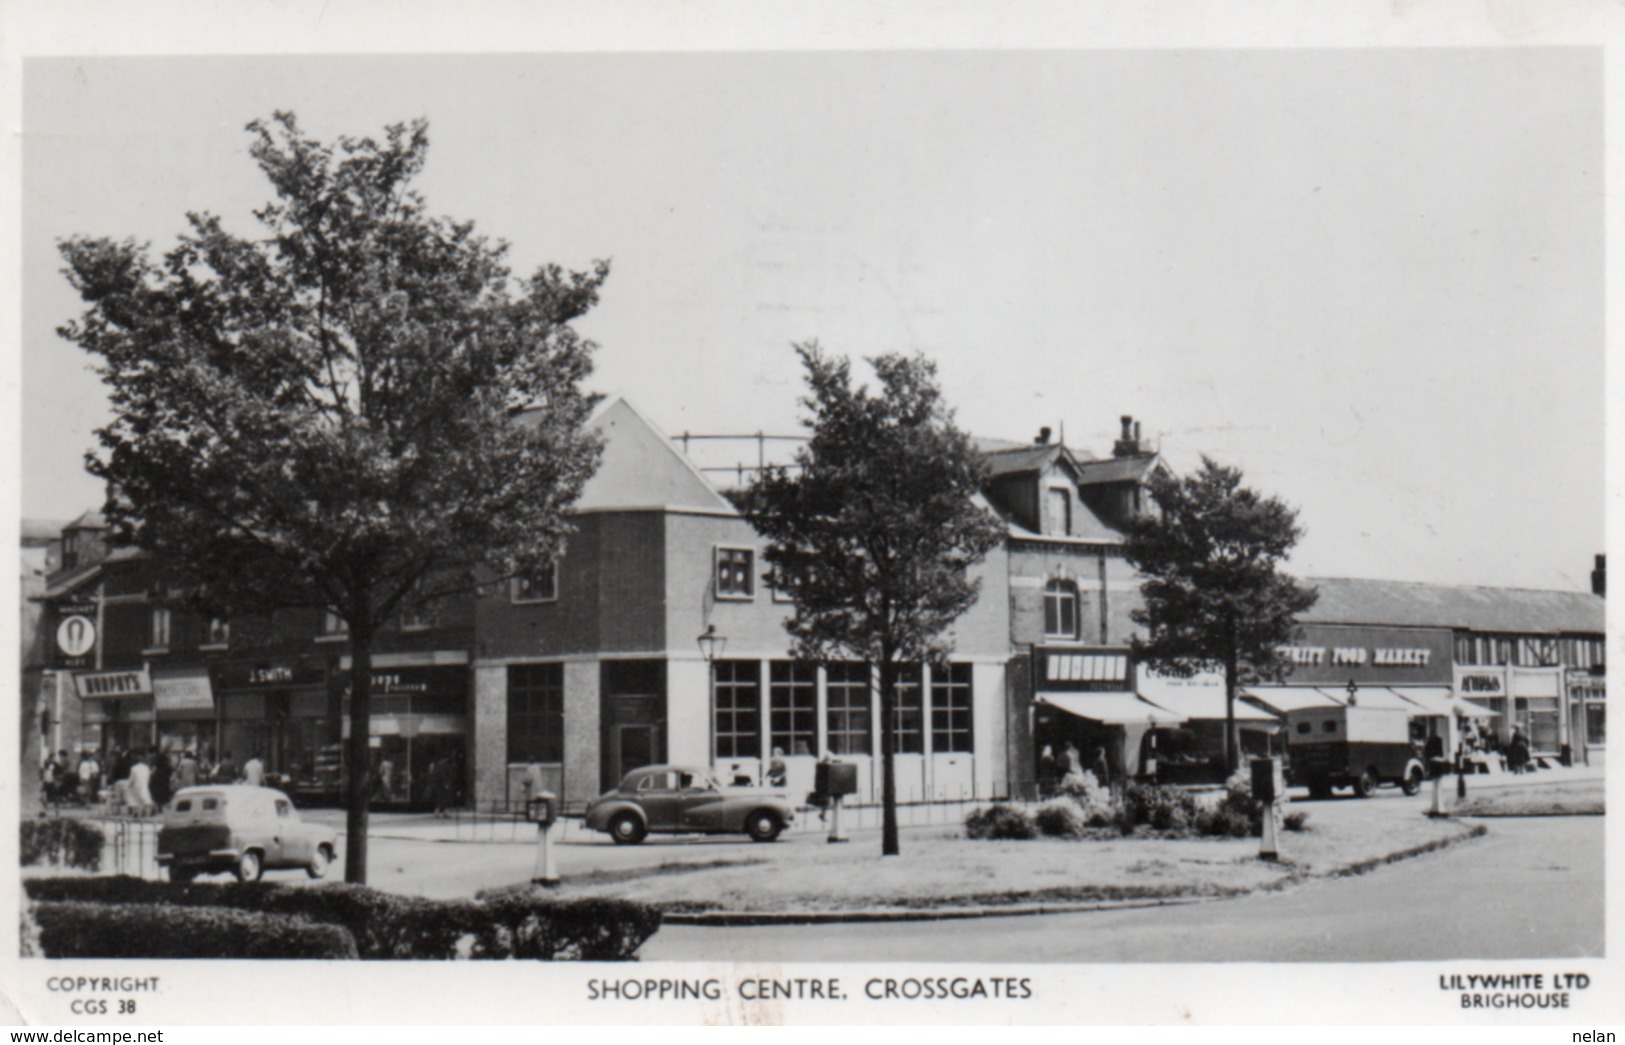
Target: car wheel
(764, 825)
(319, 862)
(182, 875)
(1412, 783)
(627, 829)
(249, 867)
(1366, 785)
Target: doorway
(634, 746)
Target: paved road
(1531, 888)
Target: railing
(130, 846)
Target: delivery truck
(1350, 746)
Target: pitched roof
(1117, 469)
(642, 469)
(1346, 600)
(91, 520)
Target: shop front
(1588, 710)
(278, 711)
(118, 710)
(419, 735)
(1087, 716)
(1529, 700)
(183, 704)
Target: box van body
(1331, 747)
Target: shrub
(1296, 820)
(383, 925)
(1000, 822)
(1223, 822)
(1100, 808)
(1160, 806)
(61, 841)
(1061, 818)
(96, 930)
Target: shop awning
(1281, 699)
(1111, 708)
(1207, 705)
(183, 694)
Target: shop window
(540, 585)
(792, 707)
(850, 700)
(951, 703)
(536, 713)
(1596, 724)
(1060, 610)
(158, 636)
(908, 711)
(738, 709)
(734, 573)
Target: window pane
(908, 711)
(1061, 610)
(536, 713)
(738, 704)
(951, 709)
(793, 707)
(849, 697)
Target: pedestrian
(1100, 767)
(90, 777)
(777, 776)
(1071, 761)
(139, 790)
(50, 779)
(254, 770)
(162, 782)
(1046, 771)
(1518, 752)
(225, 770)
(186, 771)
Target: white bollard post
(1268, 848)
(835, 820)
(545, 873)
(1438, 794)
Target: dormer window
(1060, 510)
(1060, 610)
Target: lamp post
(1353, 688)
(711, 646)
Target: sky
(1371, 279)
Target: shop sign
(76, 635)
(1400, 658)
(1087, 671)
(1302, 656)
(1480, 684)
(1353, 656)
(113, 685)
(265, 674)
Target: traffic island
(944, 874)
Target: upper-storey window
(538, 585)
(735, 569)
(1060, 610)
(333, 624)
(158, 635)
(219, 632)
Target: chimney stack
(1043, 437)
(1128, 444)
(1599, 577)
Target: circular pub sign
(75, 636)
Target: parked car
(687, 800)
(241, 829)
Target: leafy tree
(875, 528)
(357, 411)
(1215, 597)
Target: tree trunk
(359, 779)
(888, 766)
(1232, 754)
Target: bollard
(1268, 846)
(1438, 794)
(835, 821)
(545, 873)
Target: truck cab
(1349, 746)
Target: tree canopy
(1214, 594)
(359, 409)
(875, 528)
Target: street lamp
(1353, 688)
(711, 646)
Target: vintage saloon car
(241, 829)
(686, 800)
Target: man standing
(186, 771)
(140, 785)
(254, 771)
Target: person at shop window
(777, 775)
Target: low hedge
(98, 930)
(61, 841)
(519, 925)
(1001, 822)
